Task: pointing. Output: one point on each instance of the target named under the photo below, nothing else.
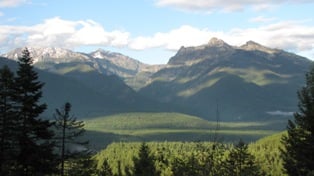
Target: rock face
(99, 58)
(49, 54)
(134, 73)
(253, 46)
(215, 48)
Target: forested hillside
(193, 158)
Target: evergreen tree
(178, 167)
(8, 122)
(72, 149)
(36, 147)
(298, 151)
(82, 166)
(240, 162)
(211, 159)
(105, 169)
(144, 163)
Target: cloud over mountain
(295, 36)
(62, 33)
(289, 35)
(227, 5)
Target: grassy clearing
(133, 121)
(172, 127)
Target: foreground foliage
(28, 135)
(240, 162)
(298, 148)
(28, 142)
(68, 131)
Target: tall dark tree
(144, 163)
(240, 162)
(298, 151)
(8, 122)
(69, 130)
(35, 137)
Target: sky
(152, 31)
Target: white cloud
(174, 39)
(261, 19)
(92, 33)
(11, 3)
(288, 35)
(61, 33)
(226, 5)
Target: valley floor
(140, 127)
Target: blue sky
(153, 30)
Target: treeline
(192, 158)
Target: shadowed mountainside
(249, 82)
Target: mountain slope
(59, 89)
(59, 60)
(90, 93)
(134, 73)
(102, 72)
(249, 82)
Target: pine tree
(240, 162)
(82, 166)
(298, 151)
(72, 149)
(105, 169)
(144, 163)
(8, 122)
(212, 158)
(36, 147)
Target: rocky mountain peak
(214, 49)
(44, 54)
(100, 54)
(251, 46)
(116, 58)
(216, 42)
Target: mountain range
(86, 82)
(240, 83)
